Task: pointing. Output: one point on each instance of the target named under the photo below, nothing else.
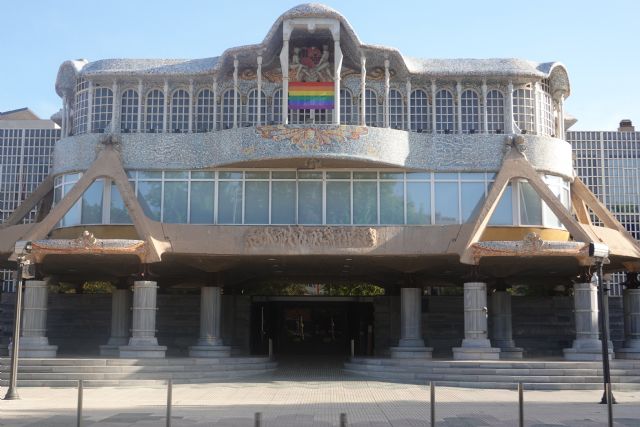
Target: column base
(511, 353)
(585, 355)
(38, 348)
(112, 348)
(411, 352)
(142, 351)
(476, 353)
(628, 353)
(209, 351)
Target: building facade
(313, 157)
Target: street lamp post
(22, 248)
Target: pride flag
(311, 95)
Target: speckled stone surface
(381, 147)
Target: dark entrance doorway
(312, 326)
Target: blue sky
(598, 41)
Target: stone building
(313, 157)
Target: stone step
(5, 361)
(622, 364)
(141, 368)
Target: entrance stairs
(100, 372)
(502, 374)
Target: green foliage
(97, 287)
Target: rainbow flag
(311, 95)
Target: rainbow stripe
(311, 95)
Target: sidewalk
(313, 402)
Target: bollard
(80, 393)
(353, 347)
(432, 386)
(343, 420)
(609, 403)
(257, 419)
(520, 405)
(270, 348)
(169, 399)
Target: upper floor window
(346, 107)
(180, 111)
(524, 109)
(155, 111)
(495, 111)
(445, 121)
(276, 109)
(204, 111)
(129, 111)
(470, 106)
(102, 110)
(256, 114)
(371, 108)
(396, 110)
(81, 108)
(419, 111)
(226, 109)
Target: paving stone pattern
(312, 394)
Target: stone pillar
(191, 103)
(258, 121)
(434, 91)
(166, 105)
(501, 331)
(141, 98)
(411, 344)
(508, 114)
(387, 87)
(475, 345)
(485, 112)
(408, 86)
(284, 66)
(33, 339)
(214, 87)
(631, 301)
(337, 69)
(115, 108)
(143, 342)
(236, 92)
(120, 321)
(363, 90)
(458, 98)
(210, 342)
(587, 345)
(90, 108)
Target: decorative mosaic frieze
(311, 237)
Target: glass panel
(530, 205)
(471, 197)
(503, 213)
(118, 211)
(202, 175)
(176, 175)
(338, 175)
(283, 202)
(392, 202)
(149, 195)
(175, 202)
(256, 206)
(92, 203)
(338, 202)
(468, 176)
(446, 176)
(365, 203)
(310, 202)
(72, 177)
(418, 203)
(149, 175)
(365, 175)
(202, 196)
(310, 175)
(418, 175)
(229, 175)
(73, 216)
(284, 175)
(57, 195)
(391, 175)
(256, 175)
(230, 202)
(446, 200)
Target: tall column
(561, 131)
(433, 106)
(501, 330)
(90, 107)
(337, 69)
(259, 106)
(587, 345)
(363, 90)
(411, 344)
(387, 87)
(485, 111)
(475, 345)
(235, 93)
(631, 304)
(459, 105)
(33, 340)
(115, 115)
(408, 86)
(140, 105)
(215, 103)
(120, 321)
(210, 342)
(143, 342)
(537, 109)
(65, 109)
(191, 103)
(508, 114)
(166, 106)
(284, 64)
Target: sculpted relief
(311, 237)
(310, 64)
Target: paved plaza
(312, 395)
